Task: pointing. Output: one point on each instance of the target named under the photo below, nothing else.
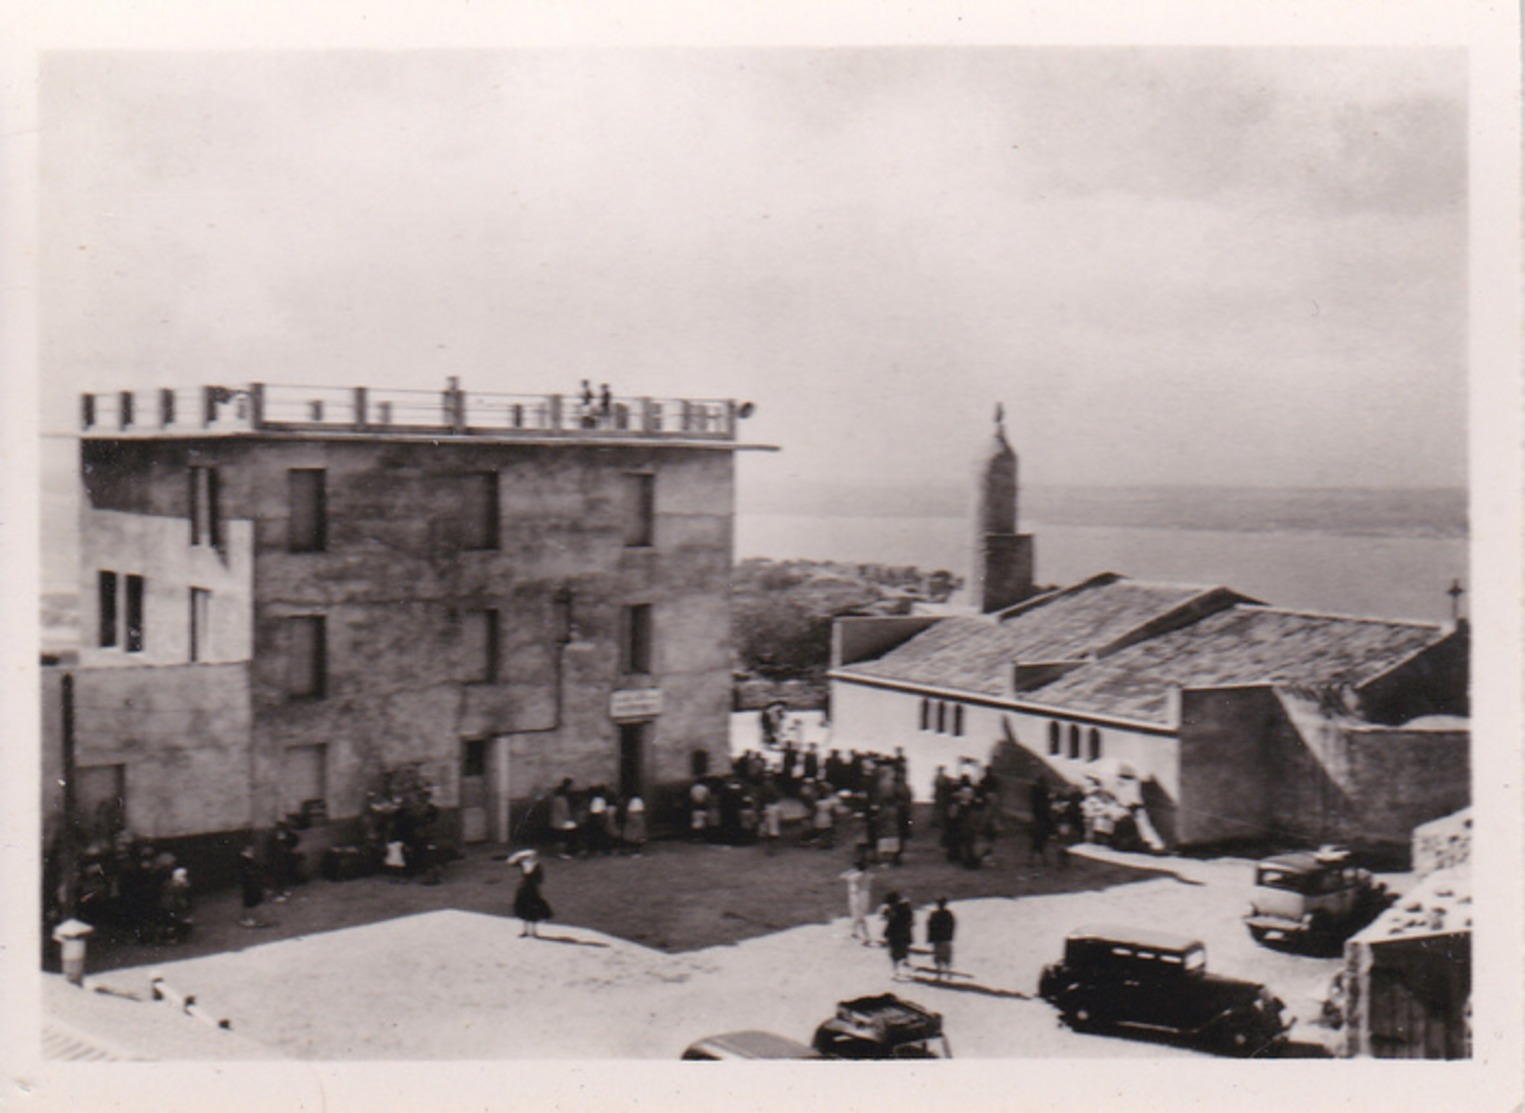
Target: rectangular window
(205, 512)
(166, 407)
(134, 614)
(201, 623)
(479, 511)
(479, 633)
(636, 643)
(126, 412)
(87, 410)
(307, 657)
(106, 607)
(304, 779)
(307, 490)
(640, 509)
(474, 757)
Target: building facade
(287, 592)
(1223, 719)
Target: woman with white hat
(529, 905)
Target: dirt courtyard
(677, 896)
(733, 939)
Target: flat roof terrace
(341, 412)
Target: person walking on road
(860, 884)
(940, 927)
(899, 929)
(529, 905)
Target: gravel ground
(456, 984)
(648, 954)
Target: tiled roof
(1242, 645)
(976, 653)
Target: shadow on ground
(678, 896)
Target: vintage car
(750, 1044)
(882, 1027)
(1316, 898)
(1149, 982)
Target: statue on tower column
(1002, 569)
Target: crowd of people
(596, 821)
(969, 813)
(136, 889)
(824, 792)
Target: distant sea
(1386, 554)
(1380, 553)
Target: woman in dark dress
(529, 905)
(899, 929)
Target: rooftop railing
(265, 407)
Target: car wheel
(1232, 1039)
(1080, 1020)
(1258, 934)
(1321, 934)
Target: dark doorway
(633, 758)
(475, 793)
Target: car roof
(755, 1044)
(1303, 861)
(1141, 937)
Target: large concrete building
(287, 591)
(1231, 720)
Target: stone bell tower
(1001, 572)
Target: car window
(1195, 959)
(1277, 877)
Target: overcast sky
(1172, 265)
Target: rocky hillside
(781, 615)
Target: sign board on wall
(636, 703)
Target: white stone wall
(873, 718)
(158, 548)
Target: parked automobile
(1148, 982)
(881, 1027)
(749, 1044)
(1317, 898)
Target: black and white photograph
(554, 550)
